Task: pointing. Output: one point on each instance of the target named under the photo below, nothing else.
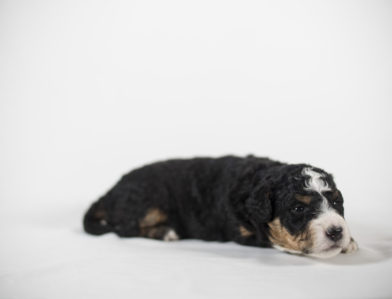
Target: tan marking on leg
(152, 218)
(100, 214)
(244, 232)
(303, 198)
(279, 235)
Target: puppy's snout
(334, 233)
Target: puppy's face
(308, 215)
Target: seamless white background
(91, 89)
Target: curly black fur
(222, 199)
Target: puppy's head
(301, 210)
(308, 215)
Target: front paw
(351, 247)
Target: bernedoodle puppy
(253, 201)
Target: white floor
(47, 255)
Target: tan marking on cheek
(279, 235)
(152, 218)
(244, 232)
(303, 198)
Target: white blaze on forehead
(316, 181)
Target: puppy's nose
(334, 233)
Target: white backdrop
(91, 89)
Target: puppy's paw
(171, 236)
(351, 247)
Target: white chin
(326, 253)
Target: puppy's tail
(96, 220)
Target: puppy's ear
(250, 200)
(259, 205)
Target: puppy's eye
(336, 202)
(298, 210)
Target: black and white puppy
(253, 201)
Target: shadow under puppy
(252, 201)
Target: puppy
(295, 208)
